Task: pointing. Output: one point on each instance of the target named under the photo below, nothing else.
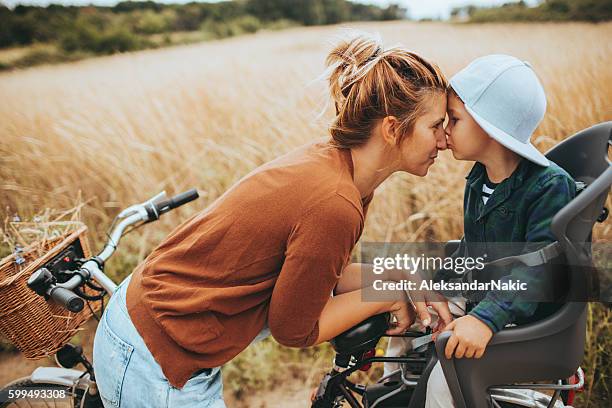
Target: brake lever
(419, 342)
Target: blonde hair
(368, 82)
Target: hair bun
(350, 60)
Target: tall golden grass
(119, 129)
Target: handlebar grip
(67, 298)
(184, 198)
(176, 201)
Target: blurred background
(105, 104)
(35, 32)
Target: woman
(265, 256)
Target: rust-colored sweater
(272, 248)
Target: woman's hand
(404, 314)
(424, 298)
(439, 304)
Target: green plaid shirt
(520, 210)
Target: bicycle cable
(94, 286)
(92, 311)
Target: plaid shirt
(520, 210)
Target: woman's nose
(441, 140)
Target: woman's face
(466, 139)
(420, 148)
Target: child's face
(465, 138)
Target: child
(511, 194)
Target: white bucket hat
(505, 97)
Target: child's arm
(497, 310)
(472, 333)
(470, 338)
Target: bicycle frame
(336, 386)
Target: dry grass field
(118, 129)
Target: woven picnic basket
(39, 327)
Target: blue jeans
(128, 376)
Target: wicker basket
(37, 327)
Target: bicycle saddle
(363, 336)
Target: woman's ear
(388, 129)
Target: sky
(416, 8)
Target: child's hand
(470, 338)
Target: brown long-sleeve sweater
(271, 248)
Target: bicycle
(64, 385)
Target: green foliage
(188, 18)
(281, 24)
(117, 40)
(100, 34)
(549, 10)
(150, 22)
(241, 25)
(133, 25)
(38, 57)
(129, 6)
(247, 23)
(315, 12)
(80, 37)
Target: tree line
(548, 10)
(129, 25)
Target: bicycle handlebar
(176, 201)
(43, 282)
(156, 206)
(145, 212)
(67, 298)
